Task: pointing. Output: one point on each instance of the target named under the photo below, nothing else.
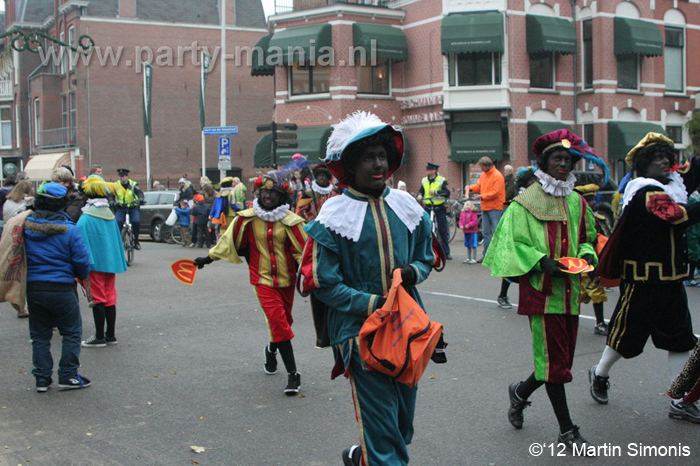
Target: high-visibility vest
(435, 185)
(127, 196)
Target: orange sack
(399, 339)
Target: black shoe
(599, 386)
(74, 383)
(574, 441)
(601, 329)
(503, 302)
(683, 410)
(448, 257)
(93, 342)
(515, 412)
(270, 366)
(293, 384)
(43, 384)
(111, 340)
(137, 245)
(352, 456)
(439, 356)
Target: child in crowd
(183, 215)
(200, 212)
(469, 224)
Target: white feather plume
(350, 127)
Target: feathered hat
(648, 140)
(96, 186)
(276, 179)
(576, 146)
(355, 127)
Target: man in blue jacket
(56, 255)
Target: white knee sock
(676, 361)
(609, 357)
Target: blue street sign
(219, 130)
(224, 146)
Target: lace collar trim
(555, 187)
(675, 189)
(97, 202)
(274, 215)
(320, 190)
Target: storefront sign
(422, 118)
(422, 102)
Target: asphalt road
(188, 372)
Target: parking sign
(224, 146)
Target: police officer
(434, 192)
(129, 200)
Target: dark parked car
(158, 206)
(606, 192)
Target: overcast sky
(268, 5)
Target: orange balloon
(184, 271)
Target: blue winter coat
(55, 248)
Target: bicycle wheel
(451, 228)
(176, 234)
(128, 241)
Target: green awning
(262, 156)
(471, 141)
(390, 41)
(311, 143)
(260, 66)
(635, 36)
(536, 129)
(306, 43)
(546, 34)
(624, 135)
(474, 32)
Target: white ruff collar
(675, 189)
(555, 187)
(97, 202)
(345, 216)
(274, 215)
(322, 191)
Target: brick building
(71, 109)
(466, 79)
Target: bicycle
(128, 240)
(451, 225)
(174, 235)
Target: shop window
(374, 79)
(5, 127)
(628, 71)
(673, 59)
(588, 54)
(309, 79)
(675, 133)
(475, 69)
(542, 71)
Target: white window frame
(69, 52)
(388, 70)
(6, 122)
(496, 59)
(553, 57)
(36, 121)
(683, 61)
(585, 57)
(638, 70)
(62, 53)
(311, 70)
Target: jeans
(489, 222)
(49, 309)
(134, 218)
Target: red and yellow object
(575, 265)
(184, 271)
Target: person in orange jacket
(492, 188)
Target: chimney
(127, 8)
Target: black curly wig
(646, 155)
(352, 153)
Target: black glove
(408, 275)
(589, 258)
(552, 267)
(200, 262)
(142, 201)
(380, 302)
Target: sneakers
(503, 302)
(74, 383)
(574, 441)
(93, 342)
(43, 384)
(352, 455)
(111, 340)
(270, 366)
(601, 329)
(515, 412)
(191, 245)
(466, 261)
(293, 384)
(448, 257)
(599, 386)
(683, 410)
(472, 261)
